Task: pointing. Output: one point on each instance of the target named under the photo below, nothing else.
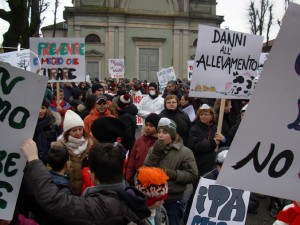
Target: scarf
(77, 146)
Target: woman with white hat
(75, 139)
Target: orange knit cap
(152, 181)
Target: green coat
(180, 165)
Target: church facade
(148, 34)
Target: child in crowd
(152, 182)
(59, 160)
(141, 147)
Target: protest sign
(190, 69)
(225, 63)
(219, 205)
(266, 145)
(136, 99)
(116, 68)
(165, 75)
(59, 59)
(20, 100)
(18, 59)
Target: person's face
(164, 136)
(100, 91)
(171, 104)
(205, 117)
(183, 101)
(227, 108)
(152, 90)
(80, 97)
(43, 112)
(61, 95)
(170, 88)
(150, 129)
(76, 132)
(156, 204)
(101, 106)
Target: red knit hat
(124, 100)
(152, 181)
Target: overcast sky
(234, 12)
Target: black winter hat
(45, 103)
(95, 87)
(107, 129)
(152, 84)
(152, 118)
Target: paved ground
(263, 217)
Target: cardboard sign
(21, 96)
(116, 68)
(59, 59)
(136, 100)
(225, 64)
(18, 59)
(190, 69)
(165, 75)
(219, 205)
(266, 145)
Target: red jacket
(138, 154)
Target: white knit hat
(72, 120)
(205, 106)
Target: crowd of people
(87, 164)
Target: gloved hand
(158, 147)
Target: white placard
(18, 59)
(21, 97)
(217, 204)
(266, 145)
(136, 99)
(165, 75)
(225, 64)
(59, 59)
(116, 68)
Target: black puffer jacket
(182, 121)
(201, 142)
(127, 115)
(103, 207)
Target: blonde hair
(210, 111)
